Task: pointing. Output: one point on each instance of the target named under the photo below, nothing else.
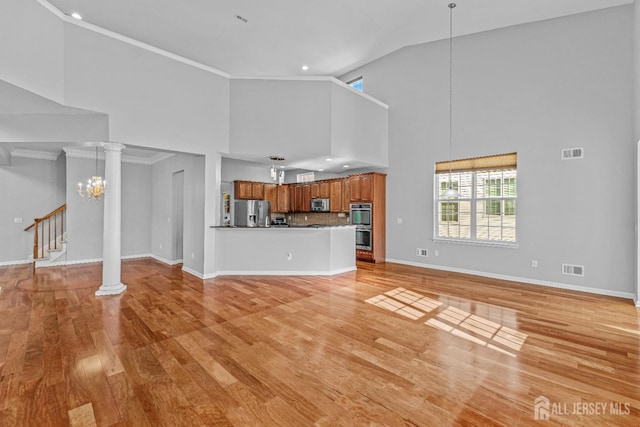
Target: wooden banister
(38, 235)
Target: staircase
(49, 238)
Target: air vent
(572, 153)
(572, 270)
(422, 252)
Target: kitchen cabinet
(354, 186)
(242, 190)
(315, 190)
(361, 186)
(247, 190)
(283, 192)
(346, 195)
(325, 190)
(271, 195)
(335, 195)
(306, 198)
(320, 190)
(301, 198)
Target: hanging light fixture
(95, 186)
(277, 175)
(451, 193)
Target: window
(305, 177)
(485, 211)
(356, 83)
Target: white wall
(194, 216)
(359, 128)
(280, 117)
(85, 217)
(32, 49)
(34, 188)
(534, 89)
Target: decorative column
(111, 248)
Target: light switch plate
(17, 220)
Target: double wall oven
(360, 214)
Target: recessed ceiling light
(305, 67)
(281, 167)
(320, 170)
(345, 166)
(76, 15)
(329, 159)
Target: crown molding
(35, 154)
(77, 153)
(103, 31)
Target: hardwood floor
(386, 345)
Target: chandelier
(94, 189)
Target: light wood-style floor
(386, 345)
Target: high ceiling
(331, 37)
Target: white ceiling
(332, 37)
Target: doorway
(177, 225)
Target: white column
(111, 248)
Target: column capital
(113, 146)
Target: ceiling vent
(572, 270)
(572, 153)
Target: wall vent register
(572, 153)
(572, 270)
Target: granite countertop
(287, 226)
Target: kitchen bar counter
(301, 250)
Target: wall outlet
(399, 220)
(436, 252)
(193, 255)
(160, 245)
(17, 220)
(534, 263)
(289, 256)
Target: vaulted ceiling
(331, 37)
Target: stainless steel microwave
(320, 205)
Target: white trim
(286, 273)
(164, 260)
(78, 153)
(139, 256)
(597, 291)
(35, 154)
(16, 262)
(314, 79)
(102, 31)
(193, 273)
(492, 244)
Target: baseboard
(286, 273)
(164, 260)
(193, 273)
(607, 292)
(17, 262)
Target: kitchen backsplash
(320, 218)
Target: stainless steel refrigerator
(252, 213)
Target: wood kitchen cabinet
(300, 198)
(247, 190)
(346, 195)
(335, 195)
(284, 192)
(271, 195)
(325, 189)
(361, 187)
(315, 190)
(354, 186)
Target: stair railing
(43, 228)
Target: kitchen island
(311, 250)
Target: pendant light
(450, 193)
